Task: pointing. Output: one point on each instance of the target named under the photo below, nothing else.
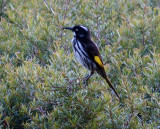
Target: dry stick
(111, 116)
(142, 31)
(51, 10)
(97, 18)
(66, 9)
(48, 7)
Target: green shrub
(41, 83)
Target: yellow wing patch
(98, 60)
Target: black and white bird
(87, 53)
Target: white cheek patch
(85, 28)
(74, 34)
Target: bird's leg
(87, 77)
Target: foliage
(41, 83)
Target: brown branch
(111, 116)
(48, 6)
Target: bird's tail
(111, 86)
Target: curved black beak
(68, 28)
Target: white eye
(76, 29)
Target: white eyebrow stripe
(84, 28)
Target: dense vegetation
(41, 83)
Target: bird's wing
(93, 52)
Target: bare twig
(66, 8)
(48, 6)
(111, 116)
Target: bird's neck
(85, 38)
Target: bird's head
(79, 31)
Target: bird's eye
(76, 29)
